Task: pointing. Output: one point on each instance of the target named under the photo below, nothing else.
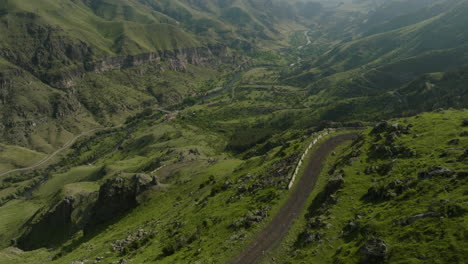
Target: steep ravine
(67, 92)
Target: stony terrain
(170, 131)
(401, 195)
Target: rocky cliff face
(59, 58)
(61, 62)
(43, 50)
(19, 116)
(86, 210)
(52, 227)
(174, 60)
(210, 56)
(6, 84)
(117, 196)
(51, 68)
(49, 78)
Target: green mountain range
(182, 131)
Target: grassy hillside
(233, 184)
(391, 207)
(390, 71)
(202, 192)
(102, 24)
(203, 109)
(442, 30)
(405, 87)
(56, 52)
(209, 203)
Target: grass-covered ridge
(208, 106)
(206, 198)
(402, 198)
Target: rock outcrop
(178, 59)
(454, 141)
(175, 60)
(436, 171)
(379, 193)
(385, 127)
(117, 196)
(465, 122)
(51, 227)
(374, 251)
(83, 211)
(334, 185)
(414, 218)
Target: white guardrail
(319, 136)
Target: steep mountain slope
(372, 77)
(60, 45)
(69, 47)
(401, 197)
(171, 184)
(385, 89)
(193, 115)
(441, 32)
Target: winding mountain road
(271, 237)
(55, 153)
(309, 41)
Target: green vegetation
(192, 116)
(16, 157)
(408, 202)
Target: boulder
(378, 193)
(386, 168)
(391, 138)
(374, 251)
(454, 141)
(463, 156)
(132, 240)
(381, 127)
(312, 237)
(250, 219)
(307, 237)
(351, 229)
(414, 218)
(436, 171)
(400, 129)
(317, 222)
(395, 127)
(384, 126)
(464, 134)
(334, 185)
(371, 169)
(392, 151)
(462, 174)
(465, 122)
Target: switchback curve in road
(274, 233)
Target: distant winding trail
(274, 233)
(55, 153)
(309, 41)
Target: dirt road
(309, 41)
(55, 153)
(273, 234)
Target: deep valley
(233, 131)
